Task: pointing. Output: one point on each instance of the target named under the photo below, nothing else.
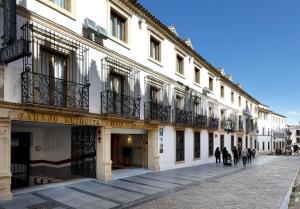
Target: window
(179, 146)
(240, 101)
(211, 144)
(179, 102)
(54, 65)
(246, 141)
(197, 75)
(222, 91)
(297, 132)
(263, 131)
(268, 145)
(155, 49)
(232, 97)
(255, 144)
(65, 4)
(298, 140)
(154, 94)
(116, 83)
(251, 143)
(263, 146)
(246, 104)
(118, 28)
(251, 106)
(179, 65)
(221, 142)
(232, 142)
(211, 84)
(197, 146)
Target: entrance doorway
(83, 151)
(240, 143)
(20, 159)
(129, 151)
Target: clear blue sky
(257, 42)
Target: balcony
(116, 104)
(45, 90)
(183, 117)
(200, 121)
(157, 112)
(213, 123)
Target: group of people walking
(245, 154)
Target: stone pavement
(256, 187)
(205, 186)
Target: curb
(286, 201)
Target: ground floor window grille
(210, 144)
(197, 146)
(179, 146)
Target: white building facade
(109, 87)
(295, 134)
(272, 130)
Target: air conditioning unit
(93, 31)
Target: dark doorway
(240, 143)
(20, 159)
(83, 151)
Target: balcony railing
(157, 112)
(213, 123)
(113, 103)
(45, 90)
(183, 117)
(200, 121)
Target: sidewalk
(124, 192)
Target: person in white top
(244, 155)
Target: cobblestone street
(259, 186)
(263, 184)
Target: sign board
(12, 49)
(15, 51)
(10, 22)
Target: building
(272, 130)
(110, 87)
(295, 134)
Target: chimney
(222, 70)
(188, 42)
(173, 29)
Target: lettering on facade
(63, 119)
(123, 124)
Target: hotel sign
(58, 119)
(12, 49)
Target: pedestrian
(224, 152)
(218, 155)
(249, 155)
(244, 155)
(235, 155)
(253, 153)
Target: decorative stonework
(5, 174)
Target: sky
(257, 42)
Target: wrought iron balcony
(183, 117)
(45, 90)
(113, 103)
(200, 121)
(213, 123)
(157, 112)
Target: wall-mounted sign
(10, 22)
(37, 148)
(161, 132)
(161, 148)
(13, 49)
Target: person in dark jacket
(235, 155)
(224, 152)
(249, 155)
(218, 155)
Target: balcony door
(53, 85)
(116, 86)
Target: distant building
(272, 130)
(295, 134)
